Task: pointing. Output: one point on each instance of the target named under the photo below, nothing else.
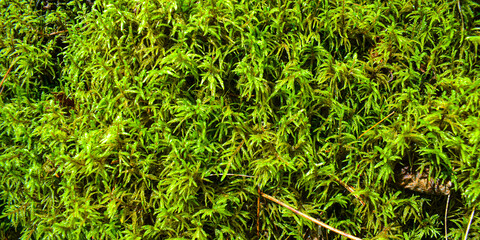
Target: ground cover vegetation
(156, 119)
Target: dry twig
(446, 212)
(376, 124)
(469, 224)
(59, 32)
(308, 217)
(6, 74)
(350, 189)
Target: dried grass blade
(6, 74)
(469, 224)
(350, 189)
(308, 217)
(376, 124)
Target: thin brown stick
(239, 147)
(350, 189)
(6, 74)
(376, 124)
(258, 214)
(461, 15)
(230, 174)
(308, 217)
(469, 224)
(446, 212)
(55, 33)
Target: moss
(163, 119)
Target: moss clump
(162, 119)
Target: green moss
(160, 119)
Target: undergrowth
(159, 119)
